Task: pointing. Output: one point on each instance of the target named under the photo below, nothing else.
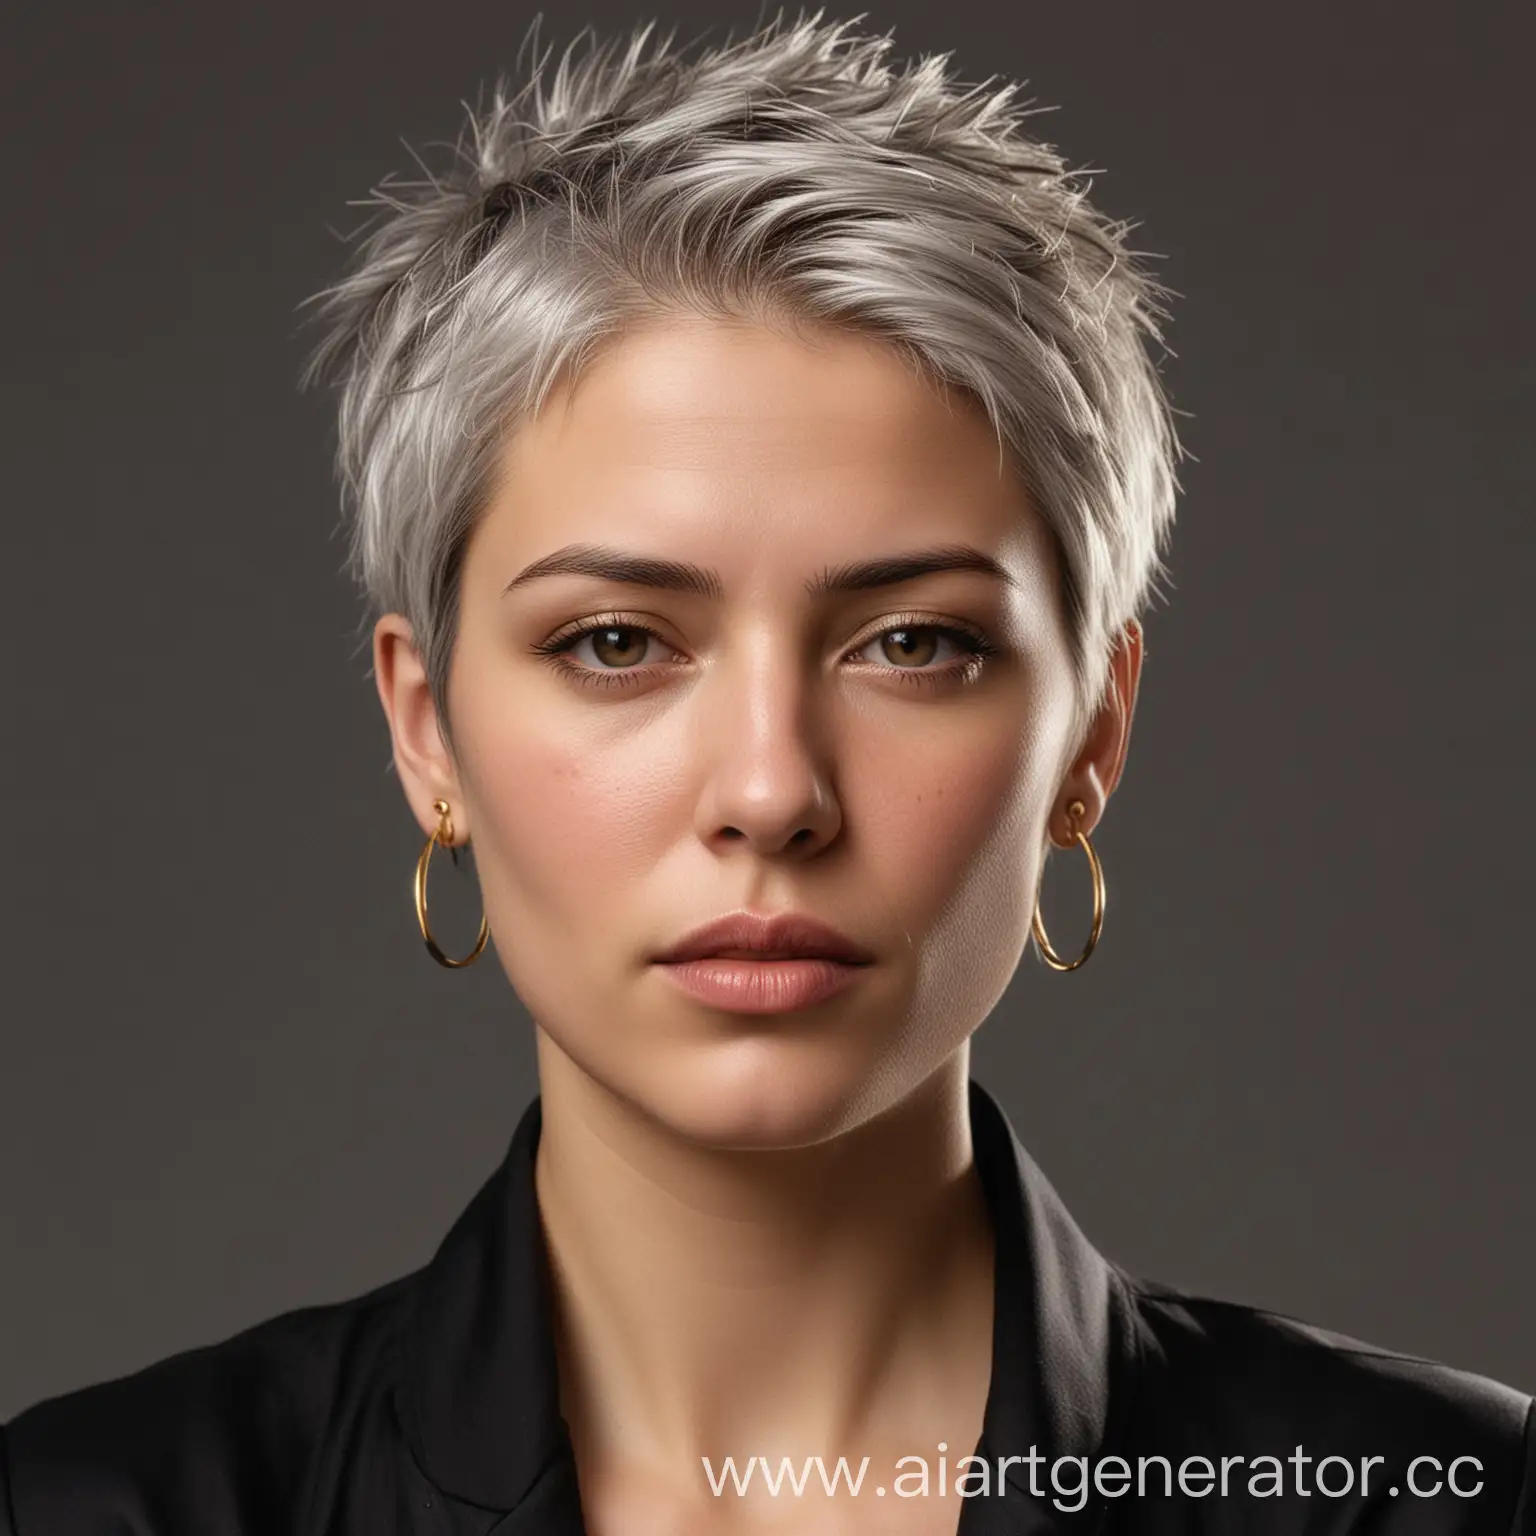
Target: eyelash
(976, 650)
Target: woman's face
(635, 758)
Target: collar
(482, 1397)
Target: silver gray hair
(797, 173)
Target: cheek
(966, 804)
(958, 858)
(567, 822)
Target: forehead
(734, 441)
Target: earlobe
(1085, 790)
(421, 758)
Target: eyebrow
(608, 563)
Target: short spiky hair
(794, 172)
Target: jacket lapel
(484, 1396)
(1062, 1333)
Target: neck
(828, 1300)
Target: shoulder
(230, 1437)
(1218, 1378)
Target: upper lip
(780, 936)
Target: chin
(770, 1088)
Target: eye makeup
(974, 649)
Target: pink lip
(753, 962)
(761, 986)
(758, 937)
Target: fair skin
(766, 1232)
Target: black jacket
(429, 1407)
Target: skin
(766, 1232)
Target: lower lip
(762, 986)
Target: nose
(766, 770)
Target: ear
(1096, 770)
(422, 758)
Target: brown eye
(914, 647)
(617, 645)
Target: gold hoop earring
(1043, 944)
(442, 834)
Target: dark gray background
(1298, 1072)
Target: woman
(758, 470)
